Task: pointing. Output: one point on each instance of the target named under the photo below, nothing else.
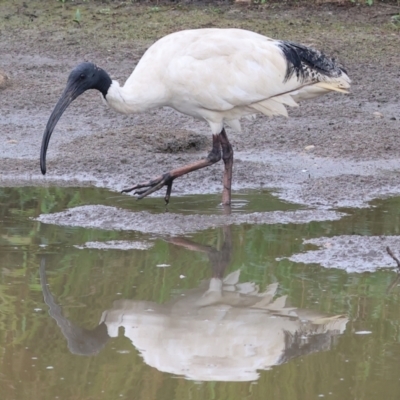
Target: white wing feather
(218, 75)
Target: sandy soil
(355, 156)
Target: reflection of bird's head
(85, 342)
(80, 341)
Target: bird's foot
(167, 179)
(152, 186)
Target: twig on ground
(393, 256)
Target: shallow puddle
(241, 310)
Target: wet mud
(352, 253)
(334, 151)
(112, 218)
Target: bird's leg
(167, 179)
(227, 156)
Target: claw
(151, 190)
(128, 190)
(168, 193)
(152, 186)
(139, 192)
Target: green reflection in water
(35, 361)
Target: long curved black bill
(70, 94)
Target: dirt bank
(355, 137)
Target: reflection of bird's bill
(225, 331)
(80, 341)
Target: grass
(136, 25)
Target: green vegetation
(396, 20)
(136, 25)
(289, 2)
(78, 16)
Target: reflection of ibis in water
(222, 330)
(215, 75)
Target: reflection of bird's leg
(189, 244)
(227, 230)
(393, 284)
(167, 179)
(219, 259)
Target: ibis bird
(216, 75)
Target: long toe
(144, 193)
(129, 189)
(138, 186)
(152, 186)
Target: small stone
(4, 80)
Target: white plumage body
(220, 75)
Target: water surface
(218, 314)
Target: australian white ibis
(216, 75)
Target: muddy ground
(355, 155)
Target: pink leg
(227, 156)
(167, 179)
(220, 141)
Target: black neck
(104, 83)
